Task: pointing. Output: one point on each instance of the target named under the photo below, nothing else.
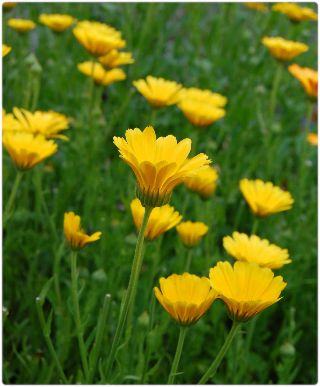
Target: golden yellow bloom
(5, 50)
(158, 164)
(283, 49)
(9, 4)
(74, 234)
(200, 114)
(295, 12)
(21, 25)
(9, 122)
(253, 249)
(185, 297)
(264, 198)
(261, 7)
(161, 219)
(191, 232)
(246, 288)
(308, 78)
(158, 91)
(204, 96)
(27, 150)
(99, 74)
(98, 38)
(204, 182)
(116, 58)
(57, 22)
(312, 138)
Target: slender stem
(189, 259)
(214, 366)
(8, 208)
(255, 225)
(274, 90)
(176, 360)
(135, 271)
(56, 275)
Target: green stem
(56, 275)
(8, 208)
(189, 259)
(274, 91)
(255, 225)
(214, 366)
(176, 360)
(135, 271)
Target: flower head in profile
(116, 58)
(159, 164)
(264, 198)
(27, 150)
(204, 96)
(9, 122)
(56, 21)
(191, 233)
(99, 74)
(312, 138)
(282, 49)
(254, 249)
(75, 235)
(185, 297)
(158, 91)
(204, 182)
(21, 25)
(5, 50)
(307, 77)
(294, 12)
(161, 219)
(261, 7)
(246, 288)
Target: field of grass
(214, 46)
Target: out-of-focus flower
(116, 58)
(9, 122)
(27, 150)
(246, 288)
(308, 78)
(204, 182)
(101, 76)
(204, 96)
(21, 25)
(158, 91)
(200, 114)
(5, 50)
(9, 4)
(191, 233)
(295, 12)
(312, 138)
(253, 249)
(158, 164)
(261, 7)
(57, 22)
(75, 235)
(185, 297)
(264, 198)
(161, 219)
(282, 49)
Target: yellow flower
(21, 25)
(9, 4)
(283, 49)
(264, 198)
(57, 22)
(253, 249)
(27, 150)
(191, 232)
(205, 96)
(295, 12)
(308, 78)
(5, 50)
(161, 219)
(158, 164)
(9, 122)
(158, 91)
(99, 74)
(200, 114)
(98, 38)
(261, 7)
(74, 234)
(185, 297)
(312, 138)
(246, 288)
(49, 124)
(204, 182)
(116, 58)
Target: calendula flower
(185, 297)
(204, 182)
(253, 249)
(264, 198)
(9, 122)
(21, 25)
(158, 91)
(75, 235)
(27, 150)
(312, 138)
(261, 7)
(282, 49)
(307, 77)
(57, 22)
(191, 233)
(5, 50)
(204, 96)
(295, 12)
(246, 288)
(158, 164)
(161, 219)
(200, 114)
(99, 74)
(116, 58)
(98, 38)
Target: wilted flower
(5, 50)
(9, 4)
(246, 288)
(158, 164)
(308, 78)
(116, 58)
(191, 232)
(185, 297)
(295, 12)
(21, 25)
(57, 22)
(204, 182)
(264, 198)
(99, 74)
(261, 7)
(312, 138)
(74, 234)
(161, 219)
(200, 114)
(282, 49)
(253, 249)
